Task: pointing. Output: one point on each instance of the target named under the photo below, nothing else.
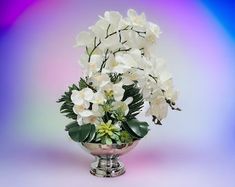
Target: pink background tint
(194, 147)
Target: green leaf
(137, 128)
(67, 104)
(108, 141)
(128, 129)
(137, 103)
(82, 84)
(84, 132)
(91, 134)
(80, 133)
(71, 125)
(74, 134)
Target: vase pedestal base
(107, 166)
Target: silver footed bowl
(107, 162)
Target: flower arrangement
(121, 74)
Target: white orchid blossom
(122, 106)
(82, 109)
(120, 51)
(82, 96)
(158, 107)
(115, 90)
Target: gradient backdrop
(195, 147)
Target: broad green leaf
(80, 133)
(84, 132)
(140, 129)
(71, 125)
(91, 134)
(74, 134)
(128, 129)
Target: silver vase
(107, 162)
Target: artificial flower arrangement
(122, 74)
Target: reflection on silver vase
(107, 162)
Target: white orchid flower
(99, 29)
(169, 91)
(127, 60)
(99, 80)
(80, 97)
(122, 106)
(98, 98)
(94, 64)
(82, 109)
(152, 32)
(84, 39)
(135, 19)
(113, 66)
(114, 90)
(98, 110)
(158, 107)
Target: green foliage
(137, 103)
(115, 77)
(136, 128)
(67, 104)
(83, 133)
(125, 137)
(108, 133)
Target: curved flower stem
(104, 62)
(88, 85)
(92, 51)
(120, 50)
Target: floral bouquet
(122, 74)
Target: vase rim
(115, 144)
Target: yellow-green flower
(106, 132)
